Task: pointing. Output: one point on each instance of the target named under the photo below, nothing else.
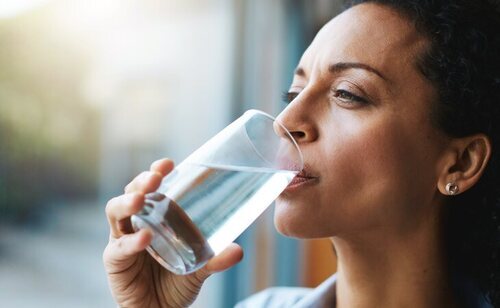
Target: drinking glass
(212, 196)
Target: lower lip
(299, 182)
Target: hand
(135, 278)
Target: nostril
(298, 135)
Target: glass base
(171, 251)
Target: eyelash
(346, 96)
(288, 97)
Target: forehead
(369, 33)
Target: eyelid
(353, 89)
(288, 96)
(348, 98)
(353, 97)
(347, 86)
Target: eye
(288, 97)
(348, 97)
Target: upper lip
(306, 173)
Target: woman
(395, 105)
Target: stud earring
(452, 188)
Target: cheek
(380, 175)
(371, 176)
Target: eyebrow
(343, 66)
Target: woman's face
(361, 115)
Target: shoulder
(280, 297)
(276, 297)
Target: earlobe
(465, 167)
(452, 188)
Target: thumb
(226, 259)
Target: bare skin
(376, 166)
(374, 181)
(135, 278)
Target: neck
(393, 269)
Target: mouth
(302, 179)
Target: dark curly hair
(463, 63)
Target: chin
(289, 222)
(294, 219)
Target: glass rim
(301, 157)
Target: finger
(147, 181)
(119, 210)
(226, 259)
(124, 206)
(120, 253)
(162, 166)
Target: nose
(299, 123)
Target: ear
(464, 162)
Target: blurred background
(91, 92)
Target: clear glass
(210, 198)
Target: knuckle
(155, 164)
(201, 275)
(144, 175)
(110, 205)
(136, 181)
(106, 254)
(137, 197)
(156, 176)
(162, 166)
(142, 178)
(153, 182)
(109, 253)
(152, 179)
(119, 245)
